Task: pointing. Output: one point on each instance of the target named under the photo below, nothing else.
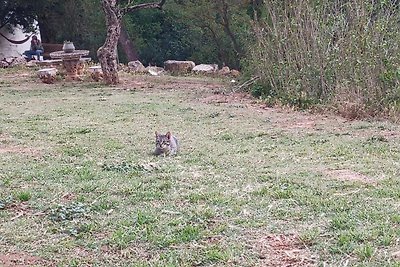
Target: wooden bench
(49, 48)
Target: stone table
(71, 62)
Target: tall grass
(336, 52)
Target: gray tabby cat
(166, 144)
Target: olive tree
(114, 11)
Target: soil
(21, 259)
(283, 250)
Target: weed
(365, 252)
(4, 202)
(68, 212)
(23, 196)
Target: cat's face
(163, 141)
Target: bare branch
(130, 8)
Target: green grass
(79, 157)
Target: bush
(341, 53)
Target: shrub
(342, 53)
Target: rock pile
(12, 61)
(182, 67)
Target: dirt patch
(285, 118)
(20, 207)
(228, 98)
(283, 250)
(349, 175)
(147, 82)
(4, 149)
(17, 259)
(396, 256)
(68, 197)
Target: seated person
(36, 48)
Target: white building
(9, 49)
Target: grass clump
(329, 53)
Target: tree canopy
(18, 12)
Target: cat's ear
(168, 135)
(156, 134)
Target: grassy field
(251, 186)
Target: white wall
(8, 49)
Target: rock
(19, 61)
(136, 66)
(123, 67)
(205, 68)
(47, 75)
(31, 63)
(396, 255)
(224, 71)
(96, 73)
(155, 71)
(235, 73)
(177, 66)
(4, 64)
(9, 60)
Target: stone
(9, 60)
(224, 71)
(47, 75)
(177, 66)
(155, 71)
(18, 61)
(136, 66)
(4, 64)
(205, 68)
(96, 73)
(235, 73)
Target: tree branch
(130, 8)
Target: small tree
(107, 53)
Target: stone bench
(49, 62)
(47, 75)
(96, 73)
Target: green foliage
(190, 30)
(18, 12)
(5, 201)
(23, 196)
(80, 21)
(346, 54)
(68, 212)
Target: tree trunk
(47, 33)
(107, 53)
(227, 28)
(127, 45)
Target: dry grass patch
(21, 259)
(218, 97)
(29, 151)
(351, 176)
(283, 250)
